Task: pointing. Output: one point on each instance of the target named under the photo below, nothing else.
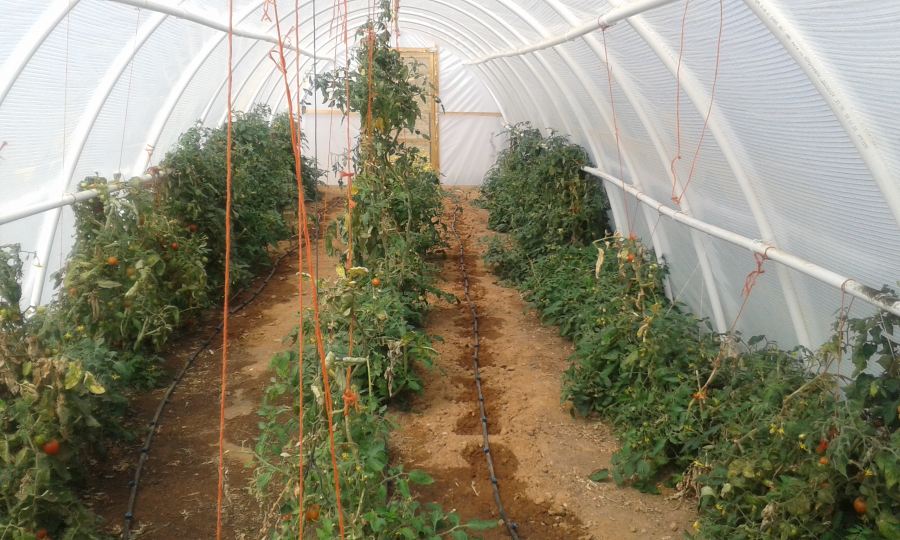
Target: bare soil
(543, 454)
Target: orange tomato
(312, 512)
(860, 506)
(112, 261)
(376, 282)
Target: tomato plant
(141, 298)
(48, 402)
(376, 496)
(393, 223)
(774, 446)
(264, 189)
(538, 193)
(395, 220)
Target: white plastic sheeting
(801, 150)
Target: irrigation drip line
(511, 526)
(135, 483)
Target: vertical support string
(320, 341)
(225, 309)
(137, 24)
(298, 149)
(612, 104)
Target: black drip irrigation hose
(511, 526)
(135, 483)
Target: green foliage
(133, 272)
(537, 192)
(385, 332)
(46, 395)
(142, 266)
(264, 189)
(376, 496)
(770, 442)
(396, 196)
(396, 201)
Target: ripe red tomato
(376, 282)
(193, 227)
(174, 246)
(630, 257)
(822, 447)
(41, 534)
(51, 447)
(860, 506)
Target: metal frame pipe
(210, 22)
(72, 198)
(604, 21)
(849, 285)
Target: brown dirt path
(177, 496)
(543, 455)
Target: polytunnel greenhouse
(399, 269)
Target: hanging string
(300, 338)
(225, 301)
(396, 24)
(304, 222)
(749, 284)
(350, 202)
(612, 104)
(137, 23)
(62, 213)
(712, 96)
(673, 165)
(348, 174)
(315, 101)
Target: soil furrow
(543, 455)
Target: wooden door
(428, 138)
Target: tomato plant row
(145, 263)
(770, 442)
(381, 300)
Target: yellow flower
(696, 525)
(869, 473)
